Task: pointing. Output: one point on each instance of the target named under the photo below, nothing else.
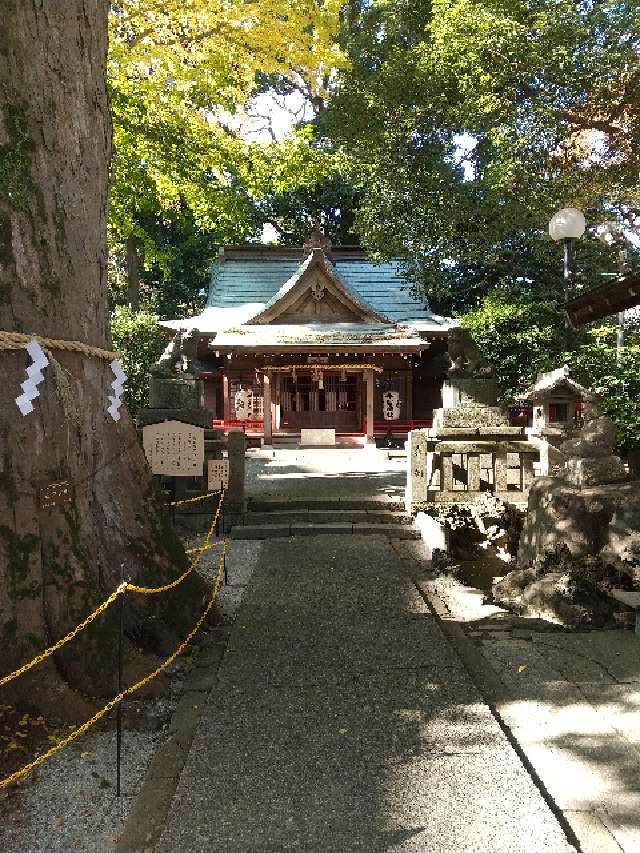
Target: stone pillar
(234, 504)
(526, 467)
(417, 484)
(268, 431)
(369, 381)
(544, 457)
(226, 401)
(447, 472)
(473, 472)
(501, 471)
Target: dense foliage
(141, 341)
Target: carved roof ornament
(316, 240)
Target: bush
(138, 337)
(523, 336)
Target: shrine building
(316, 338)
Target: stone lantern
(557, 401)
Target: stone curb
(148, 813)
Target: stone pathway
(342, 720)
(325, 472)
(572, 703)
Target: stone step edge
(327, 516)
(273, 531)
(257, 504)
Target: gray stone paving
(292, 472)
(342, 721)
(572, 702)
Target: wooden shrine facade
(316, 338)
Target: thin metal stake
(224, 565)
(119, 707)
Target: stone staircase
(268, 518)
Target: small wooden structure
(605, 300)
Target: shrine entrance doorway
(335, 402)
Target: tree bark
(133, 273)
(56, 564)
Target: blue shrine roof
(238, 279)
(247, 281)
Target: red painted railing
(383, 427)
(250, 427)
(254, 427)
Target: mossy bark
(56, 564)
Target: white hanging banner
(34, 377)
(241, 403)
(115, 399)
(391, 405)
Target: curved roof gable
(296, 297)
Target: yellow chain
(201, 548)
(4, 783)
(155, 590)
(194, 500)
(124, 587)
(47, 652)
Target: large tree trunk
(56, 564)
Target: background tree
(180, 74)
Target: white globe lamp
(567, 224)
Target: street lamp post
(567, 225)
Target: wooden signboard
(218, 474)
(174, 449)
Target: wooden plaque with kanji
(174, 449)
(218, 474)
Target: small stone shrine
(471, 449)
(557, 401)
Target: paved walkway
(325, 472)
(342, 721)
(570, 700)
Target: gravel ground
(69, 803)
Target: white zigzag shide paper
(34, 377)
(118, 388)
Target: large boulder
(600, 521)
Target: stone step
(325, 516)
(279, 531)
(258, 504)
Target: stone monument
(470, 449)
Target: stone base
(470, 416)
(599, 521)
(593, 471)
